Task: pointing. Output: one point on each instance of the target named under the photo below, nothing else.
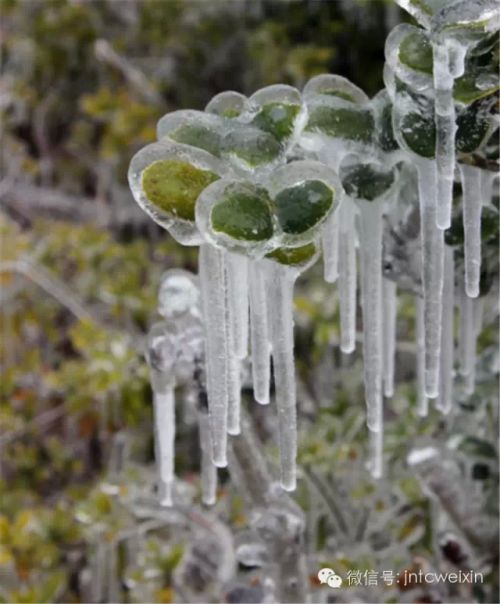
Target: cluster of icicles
(262, 185)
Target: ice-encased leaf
(194, 128)
(366, 181)
(336, 86)
(423, 10)
(277, 109)
(302, 206)
(415, 51)
(477, 83)
(304, 193)
(249, 147)
(166, 179)
(341, 122)
(474, 124)
(384, 131)
(466, 18)
(299, 257)
(174, 186)
(228, 104)
(243, 213)
(414, 125)
(237, 215)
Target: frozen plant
(265, 184)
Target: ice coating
(432, 272)
(238, 216)
(228, 104)
(375, 452)
(278, 109)
(469, 308)
(237, 269)
(235, 330)
(334, 85)
(304, 194)
(408, 53)
(331, 252)
(472, 205)
(175, 175)
(178, 294)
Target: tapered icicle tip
(165, 493)
(288, 482)
(220, 460)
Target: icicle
(330, 243)
(347, 277)
(390, 312)
(444, 402)
(468, 333)
(164, 410)
(371, 289)
(231, 328)
(212, 283)
(237, 267)
(280, 287)
(432, 273)
(445, 131)
(472, 193)
(259, 334)
(422, 400)
(208, 470)
(376, 449)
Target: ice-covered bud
(166, 179)
(178, 295)
(279, 111)
(228, 104)
(195, 128)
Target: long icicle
(422, 400)
(280, 286)
(237, 267)
(445, 400)
(445, 132)
(259, 334)
(330, 244)
(208, 470)
(371, 288)
(390, 315)
(472, 203)
(468, 334)
(231, 328)
(432, 273)
(347, 277)
(212, 283)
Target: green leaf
(472, 445)
(198, 136)
(477, 82)
(174, 186)
(473, 125)
(251, 145)
(418, 131)
(302, 206)
(294, 256)
(244, 213)
(278, 119)
(415, 51)
(342, 122)
(364, 181)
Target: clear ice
(472, 203)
